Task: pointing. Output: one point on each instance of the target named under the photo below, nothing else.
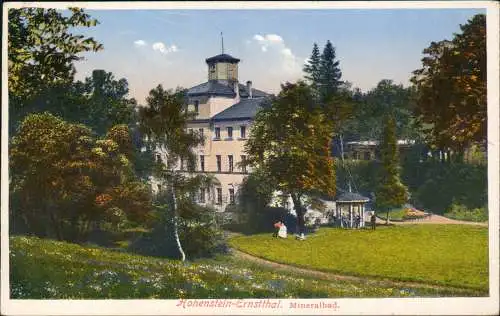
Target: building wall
(219, 104)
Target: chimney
(236, 88)
(249, 88)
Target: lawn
(451, 255)
(56, 270)
(395, 214)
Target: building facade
(224, 109)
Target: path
(434, 219)
(339, 277)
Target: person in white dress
(282, 231)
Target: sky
(169, 47)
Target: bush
(461, 212)
(199, 236)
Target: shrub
(461, 212)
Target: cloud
(139, 43)
(164, 49)
(275, 43)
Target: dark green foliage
(312, 69)
(198, 234)
(329, 73)
(42, 50)
(436, 186)
(460, 212)
(433, 186)
(391, 192)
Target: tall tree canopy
(386, 99)
(329, 73)
(289, 144)
(312, 68)
(391, 192)
(41, 52)
(106, 101)
(451, 87)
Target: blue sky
(169, 47)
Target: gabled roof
(245, 109)
(222, 58)
(211, 87)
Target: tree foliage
(290, 145)
(105, 101)
(164, 122)
(386, 99)
(329, 74)
(451, 87)
(391, 192)
(64, 181)
(41, 53)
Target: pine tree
(391, 192)
(329, 73)
(312, 68)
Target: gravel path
(434, 219)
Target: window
(190, 131)
(202, 195)
(230, 158)
(202, 163)
(200, 130)
(197, 106)
(229, 132)
(217, 133)
(219, 167)
(231, 196)
(219, 196)
(243, 166)
(367, 155)
(243, 132)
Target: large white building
(225, 110)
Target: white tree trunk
(173, 204)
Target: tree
(391, 192)
(41, 53)
(329, 73)
(163, 121)
(451, 88)
(386, 99)
(312, 69)
(105, 101)
(63, 180)
(290, 145)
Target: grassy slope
(49, 269)
(452, 255)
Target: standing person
(373, 219)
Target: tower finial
(222, 42)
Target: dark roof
(211, 88)
(222, 58)
(245, 109)
(255, 92)
(351, 197)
